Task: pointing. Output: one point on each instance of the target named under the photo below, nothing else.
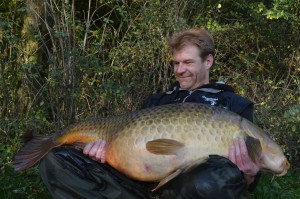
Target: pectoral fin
(164, 146)
(254, 148)
(167, 179)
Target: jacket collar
(214, 87)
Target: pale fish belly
(128, 153)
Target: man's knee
(69, 171)
(48, 165)
(216, 178)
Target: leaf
(276, 185)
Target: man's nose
(180, 68)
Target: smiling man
(73, 174)
(193, 56)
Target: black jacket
(215, 94)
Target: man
(67, 173)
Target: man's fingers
(247, 161)
(87, 148)
(93, 151)
(100, 155)
(238, 158)
(231, 155)
(243, 150)
(91, 148)
(103, 154)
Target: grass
(25, 184)
(28, 184)
(286, 187)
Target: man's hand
(96, 150)
(238, 154)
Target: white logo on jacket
(213, 101)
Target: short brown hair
(196, 36)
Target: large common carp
(158, 143)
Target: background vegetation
(62, 61)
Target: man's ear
(209, 61)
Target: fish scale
(158, 143)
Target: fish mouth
(285, 166)
(279, 171)
(280, 174)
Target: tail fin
(33, 151)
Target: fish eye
(273, 138)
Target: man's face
(189, 69)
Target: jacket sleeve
(156, 100)
(241, 106)
(248, 112)
(151, 101)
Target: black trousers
(68, 173)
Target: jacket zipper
(190, 93)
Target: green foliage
(272, 187)
(23, 184)
(19, 185)
(260, 57)
(67, 60)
